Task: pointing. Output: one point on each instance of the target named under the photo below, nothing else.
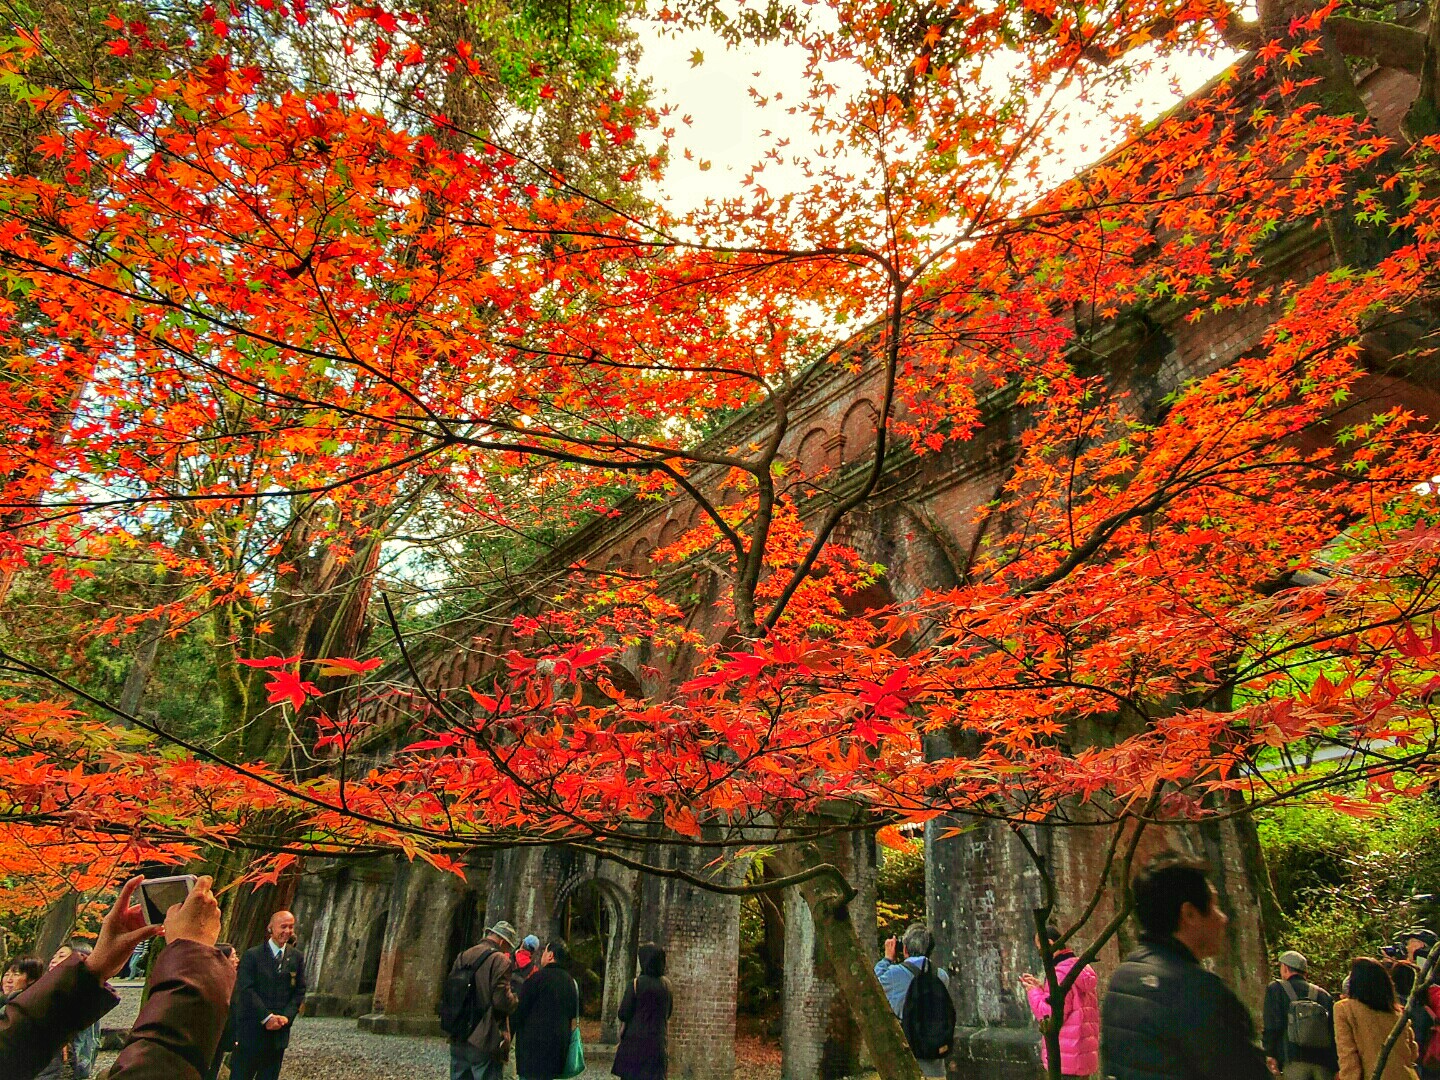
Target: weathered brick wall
(700, 932)
(426, 906)
(527, 889)
(337, 910)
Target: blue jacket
(895, 979)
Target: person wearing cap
(1298, 1030)
(482, 1054)
(1417, 943)
(527, 962)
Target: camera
(158, 894)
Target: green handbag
(575, 1059)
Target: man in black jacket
(269, 988)
(1291, 1060)
(1165, 1017)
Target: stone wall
(819, 1037)
(337, 911)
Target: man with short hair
(269, 989)
(896, 976)
(1299, 1024)
(1165, 1017)
(481, 1054)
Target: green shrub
(1346, 885)
(900, 888)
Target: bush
(1346, 885)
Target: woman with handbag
(547, 1020)
(645, 1012)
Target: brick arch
(669, 532)
(639, 555)
(813, 454)
(620, 941)
(858, 429)
(621, 675)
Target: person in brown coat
(177, 1030)
(1363, 1022)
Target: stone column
(415, 958)
(334, 913)
(819, 1037)
(981, 889)
(700, 932)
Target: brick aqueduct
(381, 934)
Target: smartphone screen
(158, 894)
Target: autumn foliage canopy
(262, 333)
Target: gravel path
(332, 1048)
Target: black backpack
(1307, 1023)
(928, 1015)
(459, 1011)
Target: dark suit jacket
(263, 988)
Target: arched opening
(669, 533)
(589, 924)
(813, 452)
(759, 998)
(374, 946)
(858, 429)
(597, 922)
(465, 927)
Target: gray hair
(918, 940)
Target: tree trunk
(827, 898)
(58, 923)
(250, 909)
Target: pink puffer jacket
(1080, 1029)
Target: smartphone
(158, 894)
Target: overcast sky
(727, 124)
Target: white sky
(728, 125)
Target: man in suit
(269, 988)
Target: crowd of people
(205, 1001)
(508, 989)
(1164, 1015)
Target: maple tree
(254, 328)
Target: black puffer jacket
(1166, 1018)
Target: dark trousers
(467, 1063)
(255, 1063)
